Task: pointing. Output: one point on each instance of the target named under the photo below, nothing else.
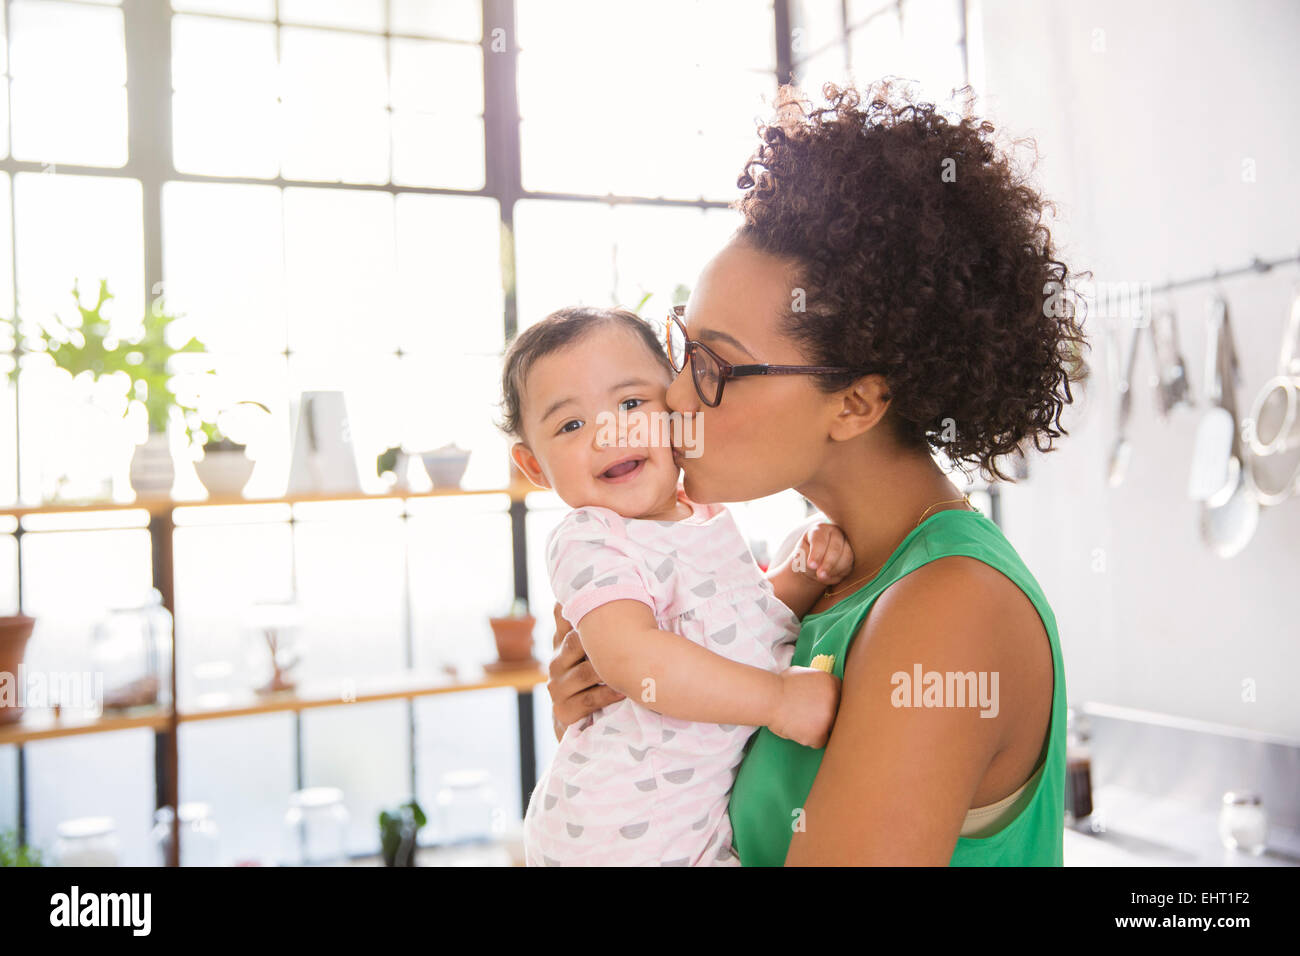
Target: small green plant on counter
(398, 829)
(12, 854)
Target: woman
(880, 237)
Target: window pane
(65, 778)
(452, 19)
(876, 49)
(77, 430)
(107, 242)
(357, 14)
(931, 37)
(350, 569)
(339, 268)
(424, 71)
(816, 25)
(224, 263)
(454, 597)
(572, 253)
(675, 140)
(249, 806)
(449, 274)
(431, 150)
(69, 74)
(660, 248)
(564, 255)
(225, 119)
(335, 116)
(257, 9)
(220, 572)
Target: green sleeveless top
(777, 774)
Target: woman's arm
(895, 782)
(673, 675)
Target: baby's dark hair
(558, 330)
(922, 249)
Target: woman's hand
(574, 686)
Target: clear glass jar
(1243, 824)
(200, 839)
(315, 828)
(132, 648)
(87, 841)
(467, 808)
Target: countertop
(1138, 829)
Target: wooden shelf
(331, 693)
(157, 506)
(43, 725)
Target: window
(327, 190)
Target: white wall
(1142, 144)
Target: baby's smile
(625, 469)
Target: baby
(671, 608)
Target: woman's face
(770, 432)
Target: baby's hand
(806, 710)
(823, 554)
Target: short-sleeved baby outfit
(628, 786)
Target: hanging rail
(1257, 266)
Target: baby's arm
(821, 558)
(674, 676)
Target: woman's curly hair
(922, 253)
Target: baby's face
(572, 401)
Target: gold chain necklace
(966, 498)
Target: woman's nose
(681, 395)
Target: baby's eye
(639, 401)
(565, 427)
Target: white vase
(152, 469)
(224, 472)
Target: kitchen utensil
(1228, 521)
(1275, 424)
(1213, 477)
(1273, 428)
(1172, 389)
(1122, 449)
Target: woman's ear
(527, 462)
(862, 405)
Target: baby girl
(672, 610)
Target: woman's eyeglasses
(710, 371)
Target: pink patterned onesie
(628, 786)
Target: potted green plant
(15, 629)
(513, 632)
(398, 828)
(12, 853)
(225, 466)
(393, 465)
(142, 362)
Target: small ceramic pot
(514, 637)
(152, 470)
(224, 472)
(446, 466)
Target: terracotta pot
(514, 637)
(14, 632)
